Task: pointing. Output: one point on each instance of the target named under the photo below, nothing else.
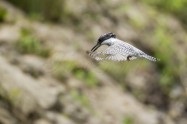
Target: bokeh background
(46, 77)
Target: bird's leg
(131, 57)
(128, 57)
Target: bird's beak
(95, 47)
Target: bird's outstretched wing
(114, 53)
(116, 57)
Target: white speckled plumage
(118, 50)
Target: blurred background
(46, 77)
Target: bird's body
(117, 50)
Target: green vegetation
(175, 7)
(62, 69)
(3, 14)
(86, 76)
(14, 95)
(128, 120)
(167, 70)
(169, 5)
(44, 10)
(114, 70)
(11, 97)
(119, 71)
(81, 98)
(28, 44)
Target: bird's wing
(115, 53)
(123, 49)
(116, 57)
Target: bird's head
(104, 40)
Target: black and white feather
(117, 50)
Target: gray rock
(23, 91)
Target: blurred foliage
(14, 95)
(128, 120)
(86, 76)
(120, 70)
(175, 7)
(11, 97)
(81, 98)
(28, 44)
(62, 69)
(53, 11)
(116, 71)
(3, 14)
(168, 72)
(42, 9)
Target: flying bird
(117, 50)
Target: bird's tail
(149, 57)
